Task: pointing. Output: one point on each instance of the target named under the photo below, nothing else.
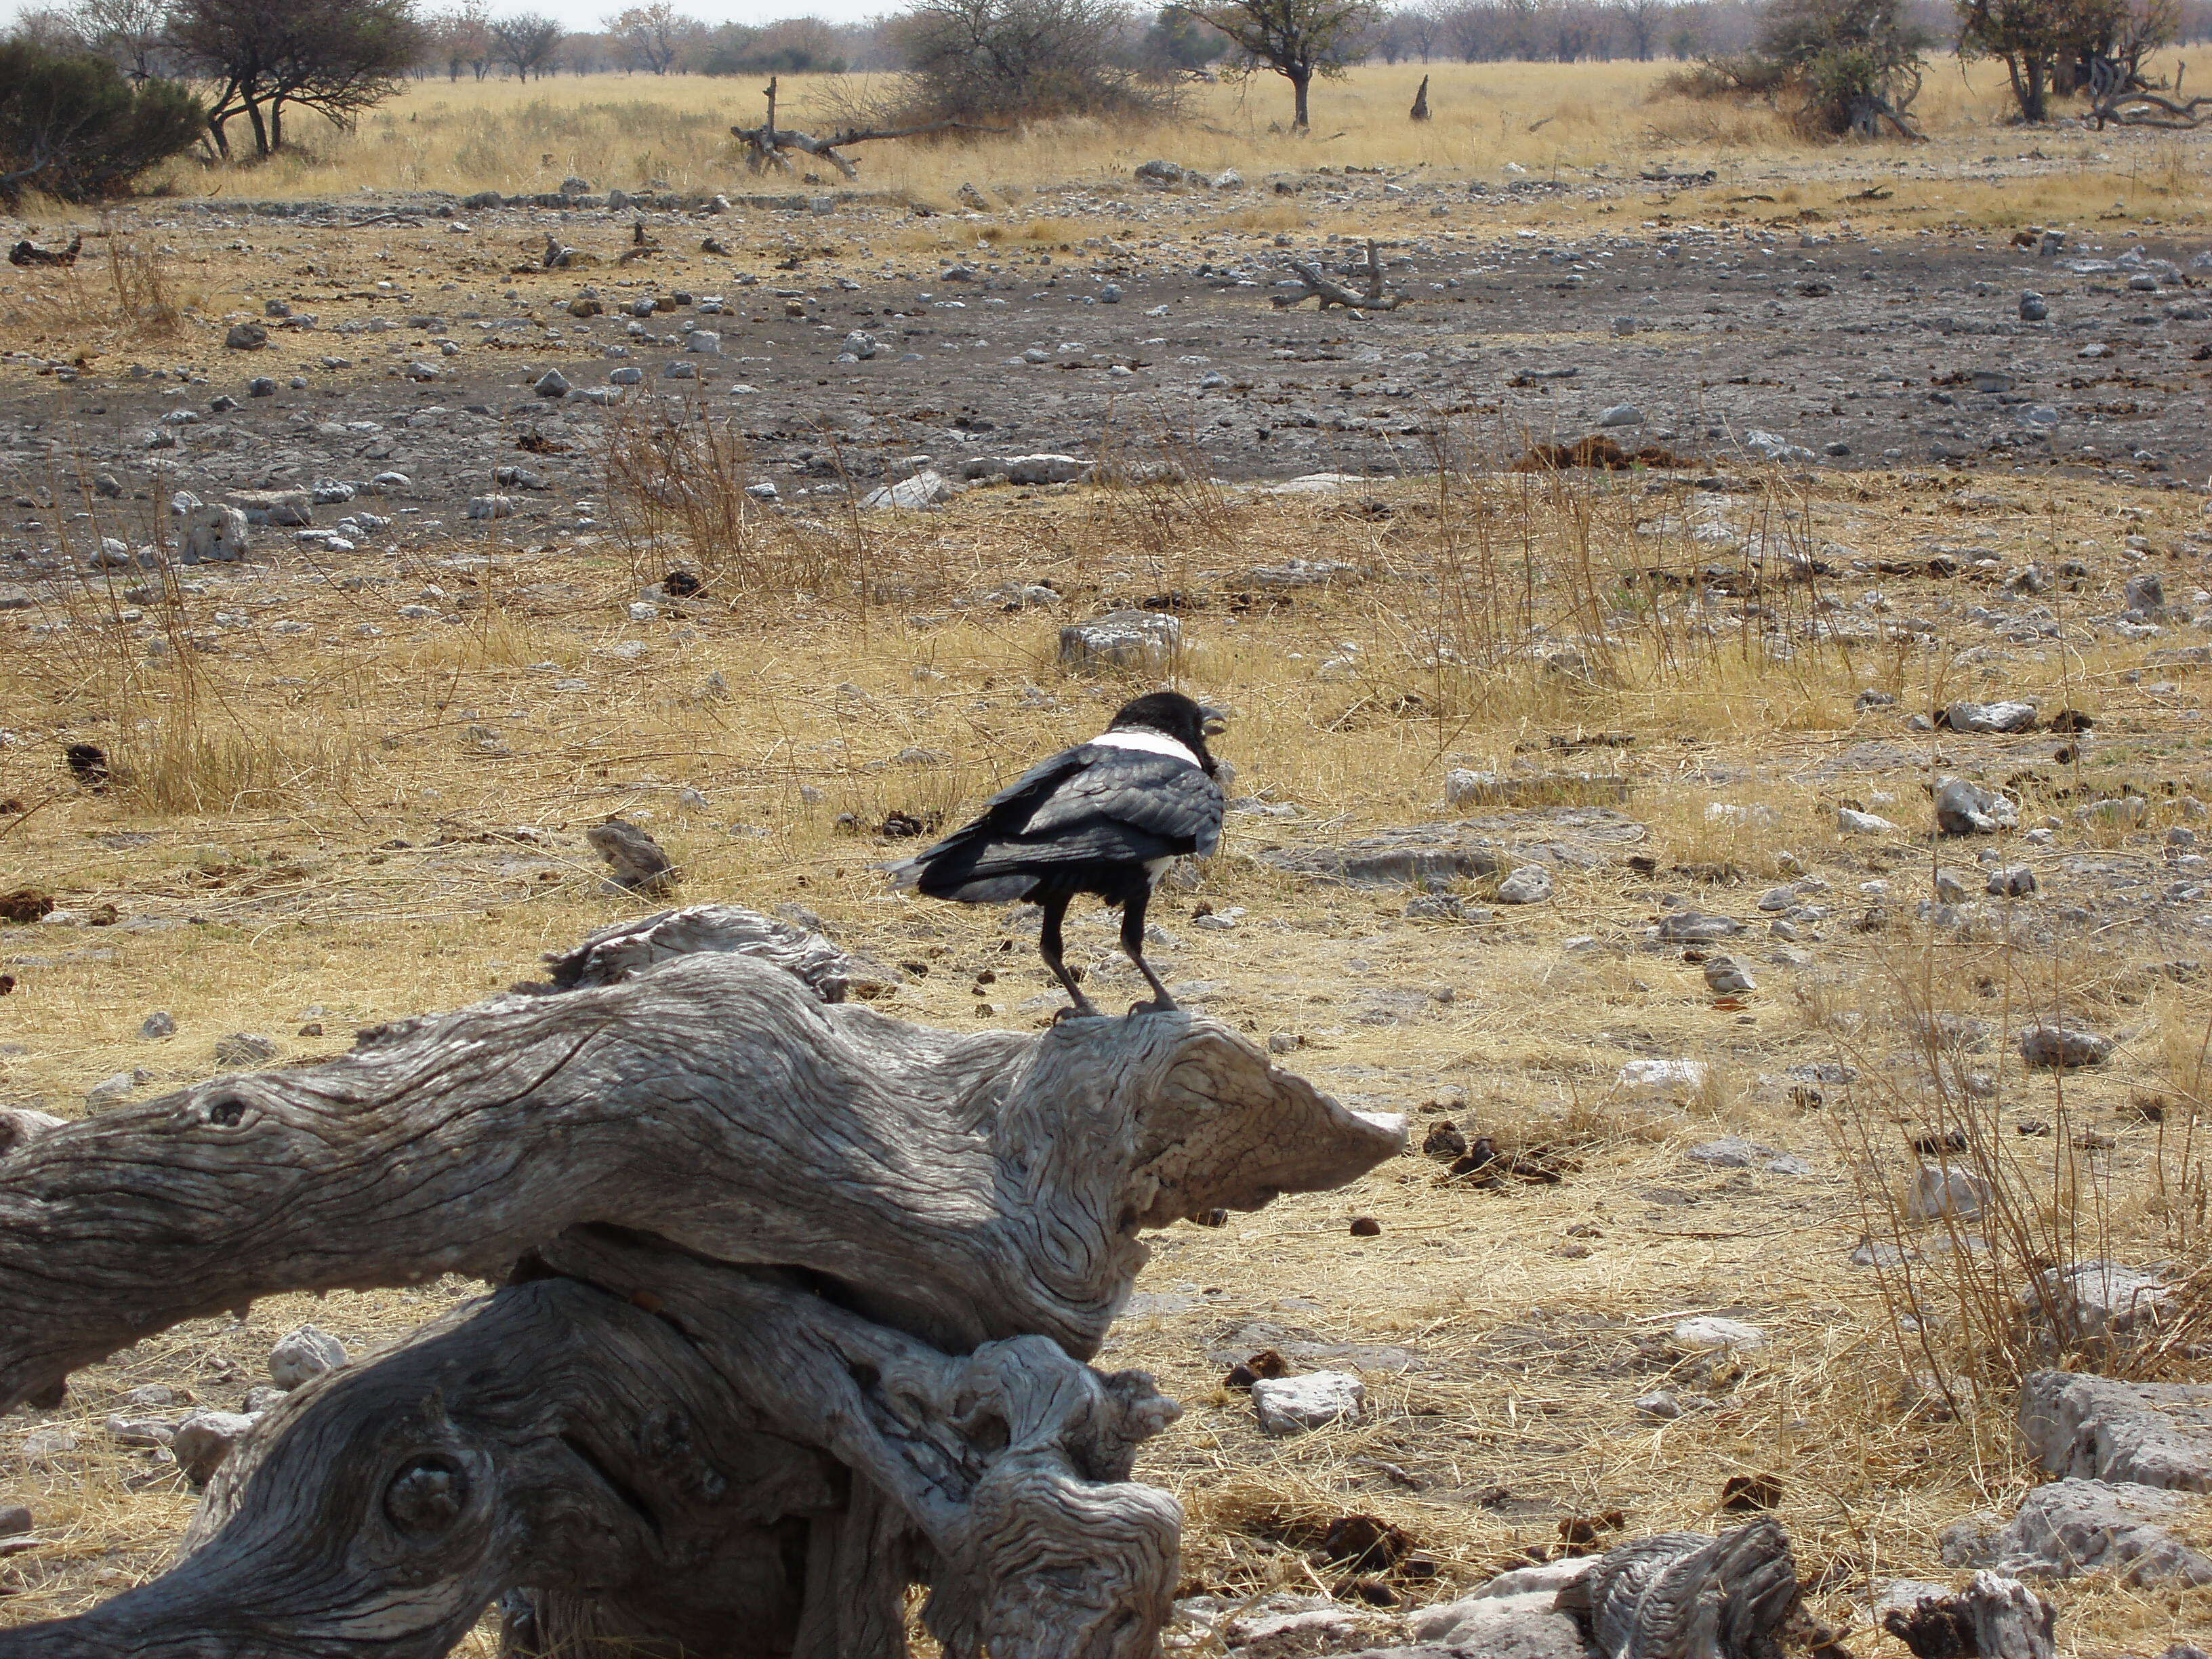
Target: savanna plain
(1709, 697)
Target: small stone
(1724, 978)
(246, 336)
(2103, 1301)
(14, 1520)
(307, 1352)
(1291, 1405)
(925, 489)
(148, 1396)
(2032, 307)
(1687, 927)
(1941, 1191)
(1964, 808)
(1145, 639)
(2072, 1527)
(1366, 1226)
(111, 1092)
(552, 384)
(203, 1440)
(1622, 415)
(2062, 1048)
(1660, 1078)
(43, 1447)
(244, 1048)
(1663, 1405)
(1853, 822)
(491, 507)
(139, 1430)
(1530, 884)
(1730, 1153)
(1710, 1331)
(2000, 717)
(2012, 881)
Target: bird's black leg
(1132, 942)
(1049, 947)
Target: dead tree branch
(1319, 285)
(765, 143)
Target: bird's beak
(1212, 722)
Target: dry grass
(1578, 121)
(304, 839)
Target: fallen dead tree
(797, 1302)
(765, 143)
(2141, 108)
(1317, 284)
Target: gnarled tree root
(800, 1299)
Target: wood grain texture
(554, 1434)
(965, 1187)
(799, 1299)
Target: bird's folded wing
(1153, 793)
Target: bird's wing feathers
(1151, 793)
(1086, 804)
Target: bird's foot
(1160, 1004)
(1084, 1010)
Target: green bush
(73, 128)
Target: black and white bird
(1106, 816)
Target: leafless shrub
(1966, 1282)
(678, 487)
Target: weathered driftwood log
(802, 1298)
(671, 1456)
(1685, 1596)
(1995, 1616)
(1316, 284)
(964, 1186)
(628, 949)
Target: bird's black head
(1174, 715)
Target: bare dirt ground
(1098, 322)
(351, 782)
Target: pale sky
(586, 13)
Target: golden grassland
(329, 823)
(1599, 120)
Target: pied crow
(1105, 816)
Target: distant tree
(990, 62)
(649, 37)
(336, 57)
(1640, 21)
(1836, 66)
(527, 42)
(2047, 47)
(1423, 28)
(73, 127)
(1178, 40)
(1296, 39)
(51, 28)
(133, 34)
(465, 41)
